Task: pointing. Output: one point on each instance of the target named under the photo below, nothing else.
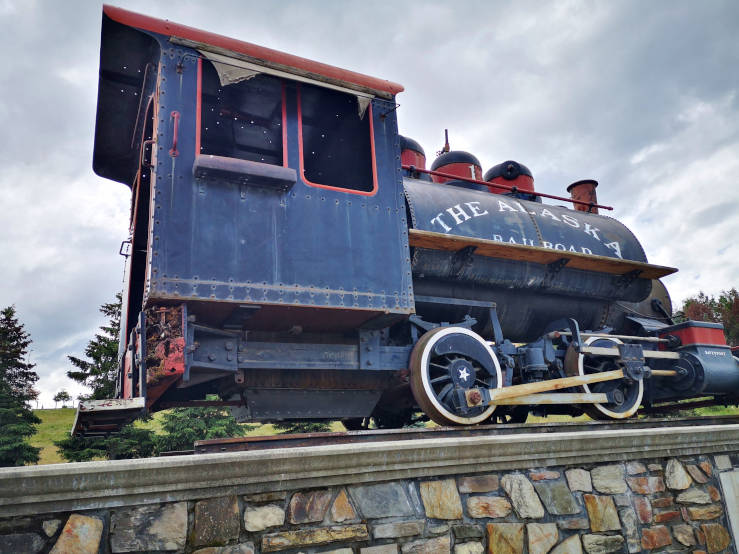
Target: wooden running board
(535, 254)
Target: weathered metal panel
(461, 211)
(216, 239)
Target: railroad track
(384, 435)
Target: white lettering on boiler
(459, 213)
(438, 220)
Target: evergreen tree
(79, 449)
(130, 442)
(291, 427)
(184, 426)
(99, 371)
(17, 377)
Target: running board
(98, 418)
(536, 254)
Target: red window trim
(199, 108)
(329, 187)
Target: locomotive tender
(291, 253)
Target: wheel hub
(462, 373)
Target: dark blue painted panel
(218, 239)
(459, 211)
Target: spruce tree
(99, 371)
(17, 377)
(184, 426)
(292, 427)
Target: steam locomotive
(291, 254)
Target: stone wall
(676, 503)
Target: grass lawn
(55, 425)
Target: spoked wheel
(445, 362)
(628, 394)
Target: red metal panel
(461, 170)
(127, 375)
(169, 28)
(695, 333)
(411, 157)
(523, 183)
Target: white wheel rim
(602, 409)
(428, 389)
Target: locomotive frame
(288, 256)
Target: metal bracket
(553, 270)
(369, 349)
(627, 278)
(140, 355)
(240, 315)
(631, 357)
(461, 259)
(468, 322)
(459, 399)
(575, 339)
(658, 307)
(419, 322)
(413, 172)
(495, 322)
(125, 252)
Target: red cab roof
(270, 57)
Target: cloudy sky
(642, 96)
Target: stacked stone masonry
(666, 505)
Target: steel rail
(409, 434)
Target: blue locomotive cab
(266, 189)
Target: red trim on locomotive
(523, 183)
(127, 389)
(198, 106)
(284, 126)
(411, 157)
(698, 332)
(171, 29)
(461, 170)
(372, 153)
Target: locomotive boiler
(291, 253)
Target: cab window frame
(372, 152)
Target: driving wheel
(627, 393)
(445, 362)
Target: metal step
(98, 418)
